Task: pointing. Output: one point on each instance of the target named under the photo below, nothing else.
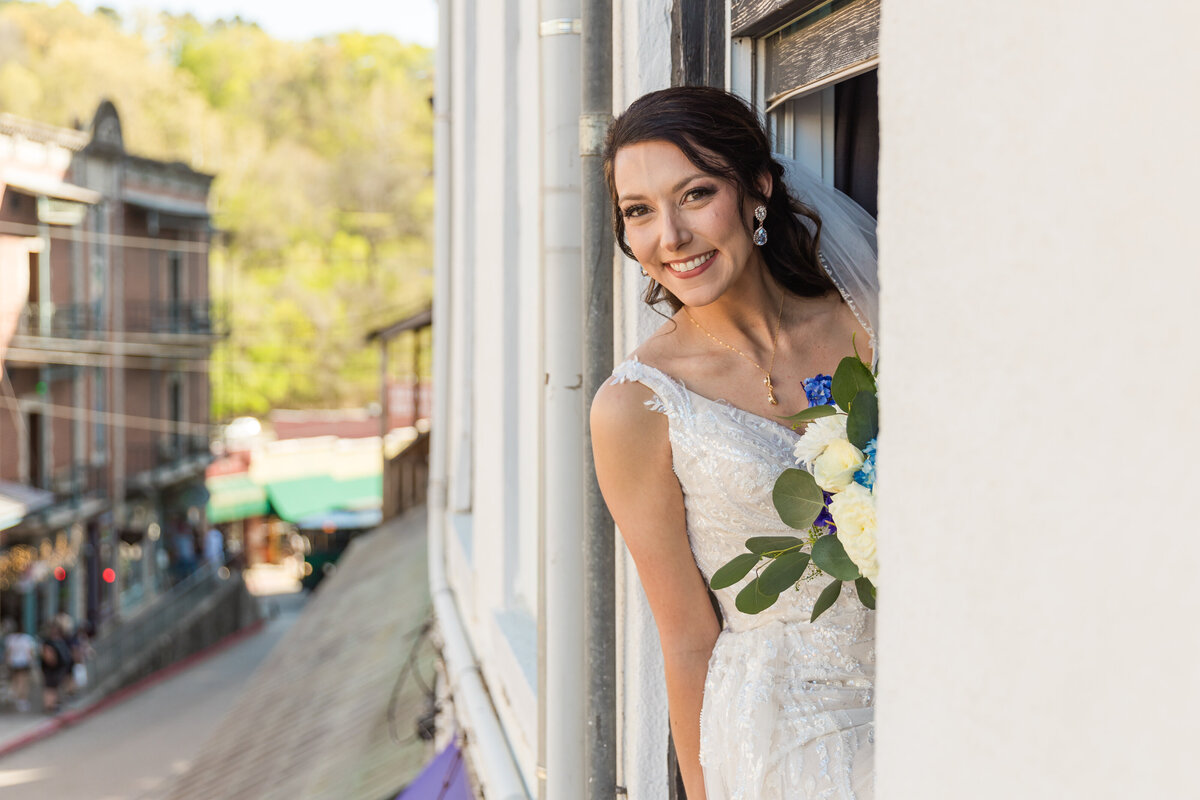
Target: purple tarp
(444, 778)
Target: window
(99, 429)
(811, 66)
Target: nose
(674, 234)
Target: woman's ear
(765, 184)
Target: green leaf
(809, 414)
(769, 544)
(829, 555)
(828, 597)
(850, 378)
(734, 571)
(783, 572)
(751, 599)
(797, 498)
(862, 425)
(866, 592)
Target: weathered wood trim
(760, 17)
(698, 43)
(843, 42)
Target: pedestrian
(56, 665)
(185, 551)
(76, 677)
(214, 547)
(19, 650)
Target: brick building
(104, 407)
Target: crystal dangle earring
(760, 234)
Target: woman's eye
(699, 193)
(634, 211)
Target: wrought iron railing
(81, 480)
(86, 320)
(164, 450)
(184, 317)
(135, 635)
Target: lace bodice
(727, 461)
(787, 702)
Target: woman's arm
(633, 465)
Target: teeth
(688, 266)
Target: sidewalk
(20, 729)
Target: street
(132, 750)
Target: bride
(688, 440)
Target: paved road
(132, 750)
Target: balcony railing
(85, 320)
(63, 321)
(163, 451)
(190, 317)
(77, 481)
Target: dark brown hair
(721, 135)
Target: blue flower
(866, 473)
(819, 390)
(825, 519)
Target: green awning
(299, 498)
(235, 497)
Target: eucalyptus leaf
(797, 498)
(850, 378)
(866, 592)
(782, 573)
(769, 544)
(829, 555)
(862, 425)
(752, 600)
(809, 414)
(734, 571)
(828, 597)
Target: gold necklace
(775, 341)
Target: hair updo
(721, 135)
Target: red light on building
(60, 574)
(109, 575)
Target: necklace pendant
(770, 391)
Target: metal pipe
(494, 764)
(600, 670)
(496, 769)
(561, 729)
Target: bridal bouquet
(832, 500)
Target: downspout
(561, 722)
(600, 671)
(492, 758)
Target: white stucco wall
(495, 341)
(1037, 631)
(642, 63)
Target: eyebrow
(674, 189)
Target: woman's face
(685, 227)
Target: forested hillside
(323, 153)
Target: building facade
(1031, 167)
(106, 395)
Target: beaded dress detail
(787, 711)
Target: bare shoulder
(618, 405)
(852, 331)
(619, 412)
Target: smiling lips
(691, 267)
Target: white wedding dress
(787, 712)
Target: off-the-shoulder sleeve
(670, 397)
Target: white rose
(853, 511)
(834, 469)
(817, 436)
